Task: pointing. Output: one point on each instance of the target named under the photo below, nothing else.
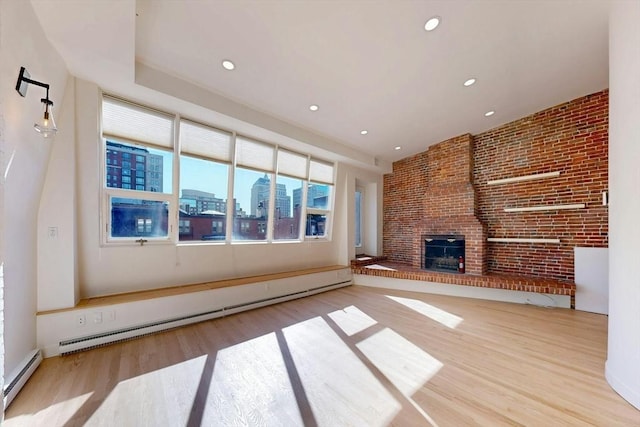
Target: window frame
(328, 211)
(359, 218)
(171, 196)
(108, 193)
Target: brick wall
(431, 193)
(403, 196)
(571, 138)
(432, 189)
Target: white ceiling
(367, 64)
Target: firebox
(442, 252)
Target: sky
(197, 174)
(212, 177)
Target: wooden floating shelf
(545, 208)
(524, 178)
(521, 240)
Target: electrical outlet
(81, 320)
(97, 318)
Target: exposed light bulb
(47, 127)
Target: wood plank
(351, 356)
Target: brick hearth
(384, 268)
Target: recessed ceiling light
(398, 147)
(470, 82)
(228, 65)
(432, 23)
(314, 107)
(364, 132)
(489, 113)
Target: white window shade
(292, 164)
(124, 120)
(254, 154)
(320, 171)
(205, 141)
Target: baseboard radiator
(75, 345)
(21, 374)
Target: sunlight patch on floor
(153, 395)
(337, 383)
(56, 414)
(444, 317)
(352, 320)
(251, 386)
(406, 365)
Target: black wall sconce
(47, 127)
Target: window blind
(320, 171)
(122, 119)
(205, 141)
(292, 164)
(253, 154)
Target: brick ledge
(495, 281)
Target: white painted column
(57, 242)
(623, 364)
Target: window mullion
(231, 205)
(174, 206)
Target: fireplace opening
(442, 252)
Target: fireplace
(442, 252)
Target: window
(204, 179)
(144, 225)
(252, 187)
(185, 226)
(131, 130)
(316, 225)
(230, 187)
(216, 227)
(135, 217)
(319, 198)
(358, 218)
(290, 181)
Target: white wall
(57, 281)
(24, 165)
(623, 362)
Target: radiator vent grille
(134, 328)
(15, 384)
(88, 342)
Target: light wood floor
(356, 356)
